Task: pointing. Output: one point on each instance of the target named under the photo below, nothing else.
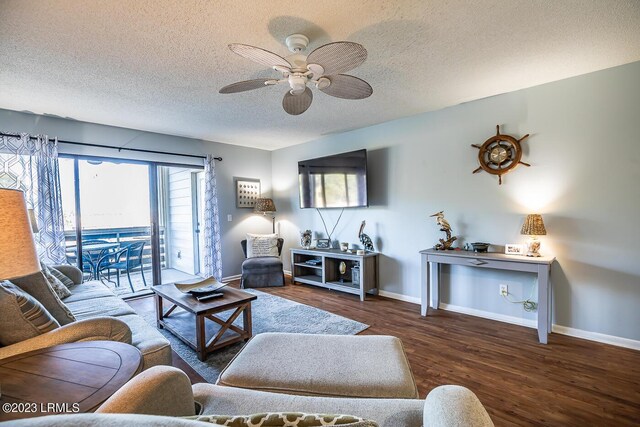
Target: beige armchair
(97, 328)
(166, 391)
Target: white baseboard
(558, 329)
(596, 336)
(399, 297)
(529, 323)
(230, 278)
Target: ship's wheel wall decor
(500, 154)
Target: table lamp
(18, 255)
(533, 226)
(265, 206)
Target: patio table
(91, 251)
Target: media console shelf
(321, 267)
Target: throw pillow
(285, 419)
(23, 317)
(262, 245)
(58, 287)
(62, 277)
(38, 287)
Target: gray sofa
(100, 314)
(163, 392)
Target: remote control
(210, 296)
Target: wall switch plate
(504, 290)
(229, 218)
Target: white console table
(432, 259)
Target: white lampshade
(18, 255)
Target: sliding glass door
(180, 218)
(132, 224)
(106, 207)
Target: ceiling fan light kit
(323, 69)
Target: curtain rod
(139, 150)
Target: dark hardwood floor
(569, 382)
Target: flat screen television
(338, 181)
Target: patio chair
(125, 259)
(87, 265)
(93, 257)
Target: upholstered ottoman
(371, 366)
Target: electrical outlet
(504, 290)
(229, 218)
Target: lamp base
(533, 248)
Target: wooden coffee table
(67, 378)
(190, 326)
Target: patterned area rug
(270, 313)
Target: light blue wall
(237, 161)
(584, 150)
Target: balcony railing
(122, 236)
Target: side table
(68, 378)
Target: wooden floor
(569, 382)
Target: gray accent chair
(262, 272)
(155, 396)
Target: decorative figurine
(444, 226)
(342, 269)
(364, 239)
(305, 239)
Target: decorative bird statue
(444, 226)
(443, 223)
(365, 239)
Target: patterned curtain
(30, 164)
(212, 235)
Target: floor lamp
(265, 206)
(18, 255)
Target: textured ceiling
(158, 65)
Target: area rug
(270, 313)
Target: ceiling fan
(322, 68)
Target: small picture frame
(247, 192)
(514, 249)
(323, 244)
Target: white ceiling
(158, 65)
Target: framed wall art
(247, 192)
(514, 249)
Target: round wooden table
(67, 378)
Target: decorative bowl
(480, 246)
